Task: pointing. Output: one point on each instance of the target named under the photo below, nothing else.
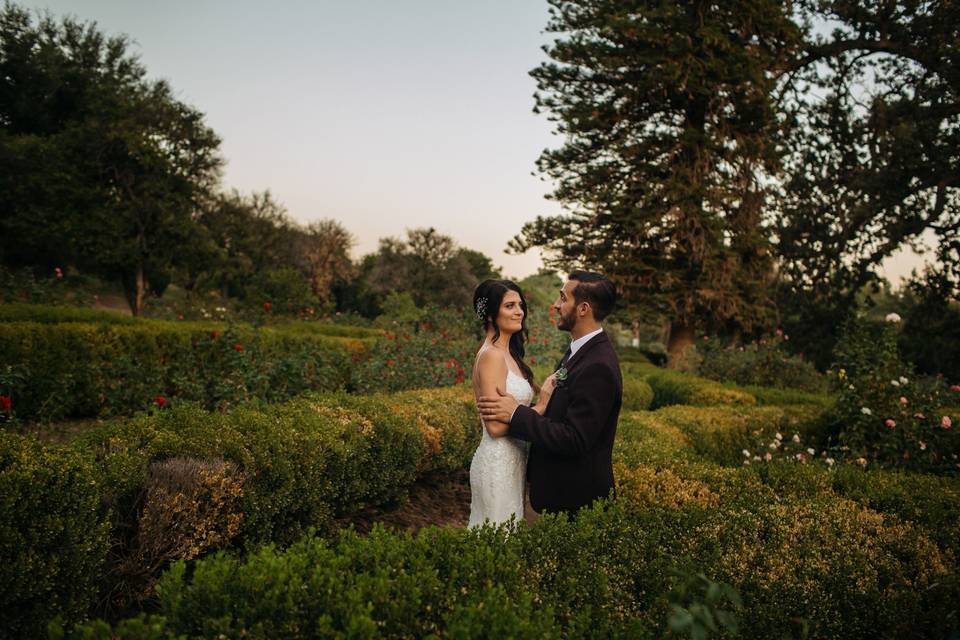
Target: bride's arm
(545, 392)
(492, 373)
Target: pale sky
(382, 114)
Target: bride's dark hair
(487, 298)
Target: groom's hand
(497, 408)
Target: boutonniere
(560, 375)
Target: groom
(570, 462)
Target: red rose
(390, 363)
(533, 360)
(160, 401)
(267, 306)
(238, 347)
(460, 372)
(6, 404)
(214, 334)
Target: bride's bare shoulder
(490, 363)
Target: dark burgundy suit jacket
(571, 449)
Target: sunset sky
(382, 114)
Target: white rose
(865, 411)
(903, 380)
(811, 451)
(893, 317)
(796, 438)
(895, 383)
(830, 462)
(746, 453)
(778, 436)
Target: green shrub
(611, 573)
(82, 370)
(775, 396)
(637, 394)
(49, 314)
(929, 502)
(415, 360)
(720, 434)
(53, 536)
(884, 415)
(305, 461)
(447, 421)
(671, 387)
(645, 438)
(764, 362)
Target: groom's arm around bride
(571, 450)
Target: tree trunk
(679, 345)
(135, 291)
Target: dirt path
(434, 500)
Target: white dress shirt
(582, 340)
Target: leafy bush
(763, 362)
(49, 314)
(637, 394)
(53, 536)
(448, 424)
(842, 568)
(671, 387)
(645, 438)
(883, 414)
(81, 370)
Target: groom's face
(566, 307)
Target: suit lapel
(591, 343)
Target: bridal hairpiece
(482, 308)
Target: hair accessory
(482, 308)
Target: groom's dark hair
(596, 290)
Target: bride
(498, 469)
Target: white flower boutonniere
(560, 375)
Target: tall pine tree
(671, 140)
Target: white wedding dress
(499, 468)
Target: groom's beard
(567, 322)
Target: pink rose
(903, 400)
(890, 422)
(946, 422)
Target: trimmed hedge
(637, 394)
(82, 370)
(671, 387)
(53, 536)
(51, 314)
(843, 569)
(284, 469)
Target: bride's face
(510, 317)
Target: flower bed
(81, 370)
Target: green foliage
(843, 568)
(78, 369)
(284, 289)
(426, 357)
(930, 338)
(53, 535)
(762, 362)
(671, 387)
(695, 607)
(83, 131)
(637, 394)
(49, 314)
(868, 173)
(883, 414)
(663, 179)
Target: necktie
(566, 356)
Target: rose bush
(885, 415)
